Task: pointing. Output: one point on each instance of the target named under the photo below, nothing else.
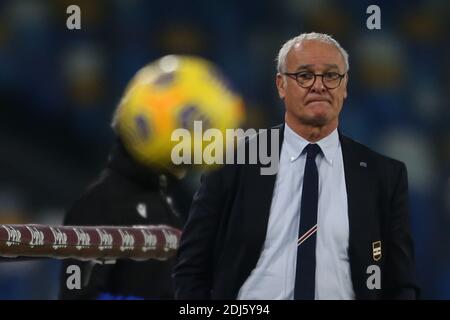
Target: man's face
(317, 105)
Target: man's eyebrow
(332, 66)
(307, 66)
(304, 66)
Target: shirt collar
(296, 143)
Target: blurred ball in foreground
(172, 93)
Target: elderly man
(333, 223)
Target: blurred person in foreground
(333, 223)
(140, 184)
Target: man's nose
(318, 85)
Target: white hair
(322, 37)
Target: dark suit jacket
(223, 237)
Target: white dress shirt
(274, 274)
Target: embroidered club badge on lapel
(376, 250)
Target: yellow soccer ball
(170, 93)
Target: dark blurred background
(59, 87)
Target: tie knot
(312, 150)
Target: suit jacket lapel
(261, 199)
(257, 209)
(361, 208)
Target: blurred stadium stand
(58, 89)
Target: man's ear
(281, 85)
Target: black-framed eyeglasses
(306, 79)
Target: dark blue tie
(305, 273)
